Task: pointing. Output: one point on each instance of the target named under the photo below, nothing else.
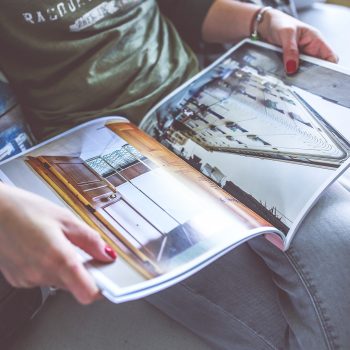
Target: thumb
(84, 237)
(289, 41)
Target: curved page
(164, 218)
(273, 141)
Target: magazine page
(273, 141)
(165, 219)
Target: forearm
(187, 16)
(228, 21)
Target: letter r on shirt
(28, 17)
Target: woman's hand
(36, 245)
(294, 37)
(229, 21)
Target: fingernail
(291, 66)
(110, 252)
(334, 59)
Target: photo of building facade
(242, 110)
(246, 112)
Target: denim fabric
(313, 277)
(258, 297)
(232, 304)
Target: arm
(187, 16)
(36, 245)
(229, 21)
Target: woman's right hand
(36, 245)
(294, 37)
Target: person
(74, 60)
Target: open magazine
(239, 151)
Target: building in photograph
(271, 214)
(319, 80)
(247, 111)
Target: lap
(313, 276)
(231, 303)
(259, 297)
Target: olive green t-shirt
(73, 60)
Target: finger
(54, 284)
(27, 275)
(289, 41)
(312, 43)
(77, 280)
(19, 276)
(30, 277)
(326, 53)
(12, 279)
(334, 58)
(90, 241)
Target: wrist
(261, 17)
(228, 21)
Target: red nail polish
(291, 67)
(110, 252)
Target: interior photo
(106, 186)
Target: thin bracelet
(257, 19)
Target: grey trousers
(257, 297)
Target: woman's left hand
(294, 37)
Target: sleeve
(187, 16)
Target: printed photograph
(258, 133)
(155, 209)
